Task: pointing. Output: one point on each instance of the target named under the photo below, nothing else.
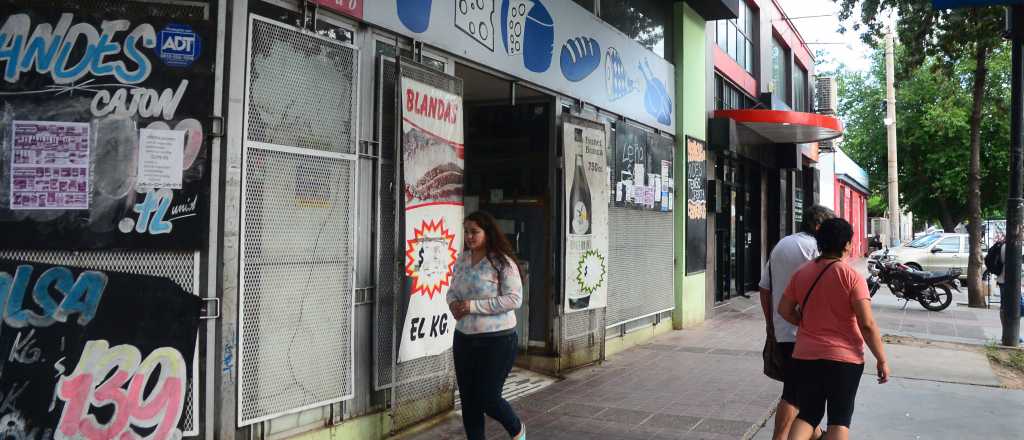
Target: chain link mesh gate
(423, 387)
(384, 326)
(296, 320)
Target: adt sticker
(179, 46)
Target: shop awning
(757, 126)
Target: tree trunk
(946, 218)
(976, 296)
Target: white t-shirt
(789, 254)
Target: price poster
(433, 161)
(586, 203)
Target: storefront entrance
(738, 228)
(509, 131)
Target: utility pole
(1009, 299)
(895, 234)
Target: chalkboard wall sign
(94, 354)
(106, 125)
(642, 173)
(696, 206)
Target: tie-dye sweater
(489, 309)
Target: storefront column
(691, 83)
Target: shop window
(648, 22)
(800, 101)
(434, 63)
(730, 97)
(736, 37)
(780, 71)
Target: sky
(851, 50)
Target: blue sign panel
(179, 45)
(953, 4)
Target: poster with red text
(433, 162)
(353, 8)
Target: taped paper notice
(161, 154)
(50, 165)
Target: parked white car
(933, 252)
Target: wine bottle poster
(433, 162)
(586, 214)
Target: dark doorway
(508, 134)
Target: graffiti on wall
(110, 77)
(93, 354)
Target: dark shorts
(789, 375)
(831, 383)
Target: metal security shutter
(640, 275)
(384, 306)
(298, 218)
(423, 387)
(180, 267)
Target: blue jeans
(482, 364)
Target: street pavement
(942, 385)
(703, 383)
(706, 383)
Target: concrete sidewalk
(704, 383)
(936, 392)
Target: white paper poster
(433, 163)
(50, 165)
(586, 195)
(161, 158)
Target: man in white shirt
(788, 255)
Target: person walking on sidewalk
(829, 301)
(486, 290)
(788, 255)
(997, 265)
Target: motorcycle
(933, 290)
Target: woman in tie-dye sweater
(483, 297)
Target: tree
(950, 37)
(934, 136)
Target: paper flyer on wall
(586, 195)
(433, 163)
(161, 156)
(50, 165)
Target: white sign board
(553, 43)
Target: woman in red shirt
(829, 302)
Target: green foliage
(933, 133)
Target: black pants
(790, 378)
(831, 383)
(482, 364)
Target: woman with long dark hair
(829, 303)
(483, 297)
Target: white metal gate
(298, 223)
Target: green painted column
(691, 120)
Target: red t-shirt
(828, 329)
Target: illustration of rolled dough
(580, 57)
(618, 84)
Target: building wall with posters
(106, 206)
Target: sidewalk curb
(759, 425)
